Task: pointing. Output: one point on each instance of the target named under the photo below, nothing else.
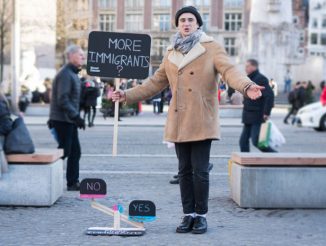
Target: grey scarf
(184, 45)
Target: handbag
(18, 140)
(264, 135)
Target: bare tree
(5, 20)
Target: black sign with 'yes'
(118, 55)
(142, 208)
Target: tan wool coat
(193, 111)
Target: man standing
(255, 112)
(190, 67)
(64, 112)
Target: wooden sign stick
(116, 121)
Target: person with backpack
(296, 99)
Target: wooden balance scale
(137, 230)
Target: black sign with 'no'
(118, 55)
(92, 188)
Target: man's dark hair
(253, 62)
(298, 83)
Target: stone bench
(33, 179)
(278, 180)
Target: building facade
(222, 19)
(317, 28)
(246, 28)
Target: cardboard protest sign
(118, 55)
(142, 211)
(92, 188)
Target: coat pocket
(208, 108)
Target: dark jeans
(156, 107)
(293, 111)
(194, 175)
(251, 131)
(90, 111)
(68, 141)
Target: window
(162, 3)
(295, 19)
(323, 38)
(324, 22)
(233, 4)
(274, 5)
(134, 23)
(162, 22)
(159, 47)
(107, 4)
(107, 22)
(229, 44)
(134, 3)
(314, 38)
(314, 23)
(205, 22)
(302, 37)
(198, 2)
(232, 21)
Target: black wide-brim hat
(188, 9)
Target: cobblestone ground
(142, 172)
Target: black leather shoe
(186, 224)
(200, 225)
(175, 176)
(74, 187)
(174, 181)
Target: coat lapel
(193, 54)
(175, 58)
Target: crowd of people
(303, 93)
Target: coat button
(190, 90)
(192, 73)
(180, 72)
(175, 110)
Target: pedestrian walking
(64, 112)
(309, 92)
(296, 99)
(190, 67)
(255, 112)
(287, 81)
(24, 100)
(274, 86)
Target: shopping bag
(18, 140)
(264, 135)
(276, 137)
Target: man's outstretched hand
(254, 91)
(119, 96)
